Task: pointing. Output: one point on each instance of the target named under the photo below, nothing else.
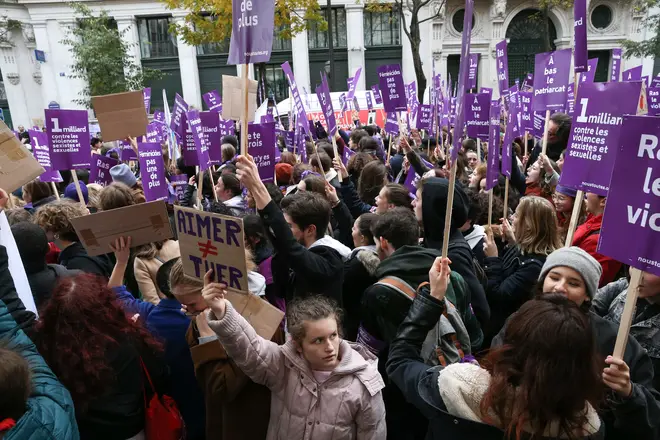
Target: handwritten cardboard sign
(17, 165)
(121, 115)
(212, 241)
(232, 98)
(144, 223)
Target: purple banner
(629, 232)
(502, 62)
(616, 64)
(352, 85)
(180, 108)
(213, 101)
(391, 86)
(202, 147)
(39, 142)
(526, 116)
(100, 170)
(252, 27)
(477, 108)
(262, 146)
(580, 28)
(653, 94)
(152, 172)
(634, 74)
(472, 72)
(68, 139)
(295, 94)
(551, 74)
(212, 136)
(589, 158)
(180, 183)
(492, 168)
(425, 118)
(146, 93)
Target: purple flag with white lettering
(390, 80)
(146, 93)
(201, 145)
(580, 28)
(100, 170)
(377, 96)
(472, 72)
(252, 31)
(213, 101)
(68, 138)
(502, 64)
(493, 166)
(616, 64)
(634, 74)
(352, 85)
(295, 94)
(262, 146)
(589, 158)
(551, 72)
(152, 172)
(39, 142)
(477, 108)
(180, 107)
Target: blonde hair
(537, 231)
(93, 192)
(116, 195)
(55, 217)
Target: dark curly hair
(75, 341)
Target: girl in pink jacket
(322, 387)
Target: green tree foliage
(650, 47)
(101, 57)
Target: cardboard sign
(212, 241)
(144, 223)
(121, 115)
(232, 98)
(261, 315)
(17, 165)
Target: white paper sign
(16, 265)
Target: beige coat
(146, 270)
(347, 406)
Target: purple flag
(180, 183)
(100, 170)
(295, 94)
(213, 101)
(391, 85)
(616, 64)
(262, 146)
(477, 107)
(352, 85)
(634, 74)
(212, 137)
(180, 107)
(68, 139)
(391, 124)
(589, 158)
(251, 31)
(551, 74)
(653, 94)
(629, 232)
(39, 142)
(152, 172)
(201, 145)
(154, 133)
(580, 28)
(472, 72)
(502, 61)
(370, 105)
(492, 168)
(146, 93)
(459, 126)
(425, 118)
(526, 121)
(590, 73)
(377, 96)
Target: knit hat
(122, 173)
(565, 190)
(283, 172)
(70, 192)
(578, 260)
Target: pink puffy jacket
(348, 405)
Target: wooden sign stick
(76, 182)
(215, 194)
(525, 138)
(478, 151)
(450, 205)
(55, 191)
(336, 151)
(199, 192)
(506, 199)
(577, 208)
(628, 312)
(490, 206)
(544, 146)
(244, 119)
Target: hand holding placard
(214, 295)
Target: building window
(601, 17)
(457, 20)
(221, 47)
(280, 43)
(318, 39)
(155, 38)
(276, 83)
(382, 28)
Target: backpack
(448, 342)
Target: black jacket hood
(434, 206)
(410, 263)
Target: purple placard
(213, 101)
(629, 232)
(68, 139)
(528, 83)
(477, 107)
(262, 146)
(425, 118)
(347, 155)
(356, 107)
(152, 171)
(100, 170)
(251, 31)
(352, 85)
(227, 128)
(180, 183)
(502, 63)
(570, 100)
(492, 169)
(126, 151)
(589, 158)
(616, 64)
(290, 140)
(201, 145)
(154, 132)
(412, 178)
(377, 96)
(526, 121)
(655, 82)
(180, 108)
(538, 120)
(39, 142)
(146, 94)
(580, 28)
(551, 74)
(391, 124)
(212, 136)
(295, 94)
(390, 81)
(159, 117)
(653, 94)
(188, 146)
(634, 74)
(507, 146)
(472, 72)
(370, 104)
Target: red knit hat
(283, 172)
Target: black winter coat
(43, 282)
(75, 257)
(359, 275)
